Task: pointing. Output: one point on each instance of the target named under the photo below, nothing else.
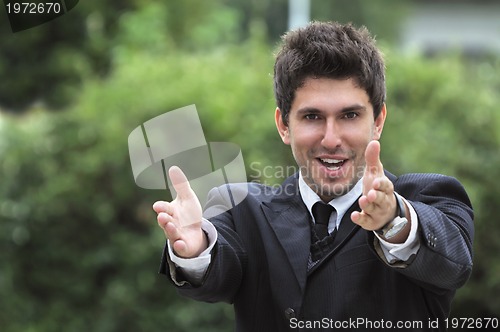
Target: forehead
(327, 93)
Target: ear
(378, 125)
(283, 129)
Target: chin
(335, 190)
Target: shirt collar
(341, 204)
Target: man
(385, 252)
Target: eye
(311, 116)
(350, 115)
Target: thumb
(372, 158)
(180, 182)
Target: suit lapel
(347, 227)
(289, 219)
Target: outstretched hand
(378, 204)
(180, 219)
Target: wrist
(203, 244)
(396, 229)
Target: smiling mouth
(332, 164)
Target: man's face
(329, 126)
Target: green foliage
(65, 51)
(80, 239)
(59, 54)
(442, 118)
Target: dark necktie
(321, 213)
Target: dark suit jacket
(259, 262)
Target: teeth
(332, 164)
(331, 161)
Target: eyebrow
(356, 107)
(314, 110)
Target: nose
(331, 135)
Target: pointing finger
(372, 158)
(180, 182)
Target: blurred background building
(472, 27)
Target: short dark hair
(328, 50)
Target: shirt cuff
(194, 268)
(402, 252)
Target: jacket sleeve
(225, 272)
(446, 230)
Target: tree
(48, 63)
